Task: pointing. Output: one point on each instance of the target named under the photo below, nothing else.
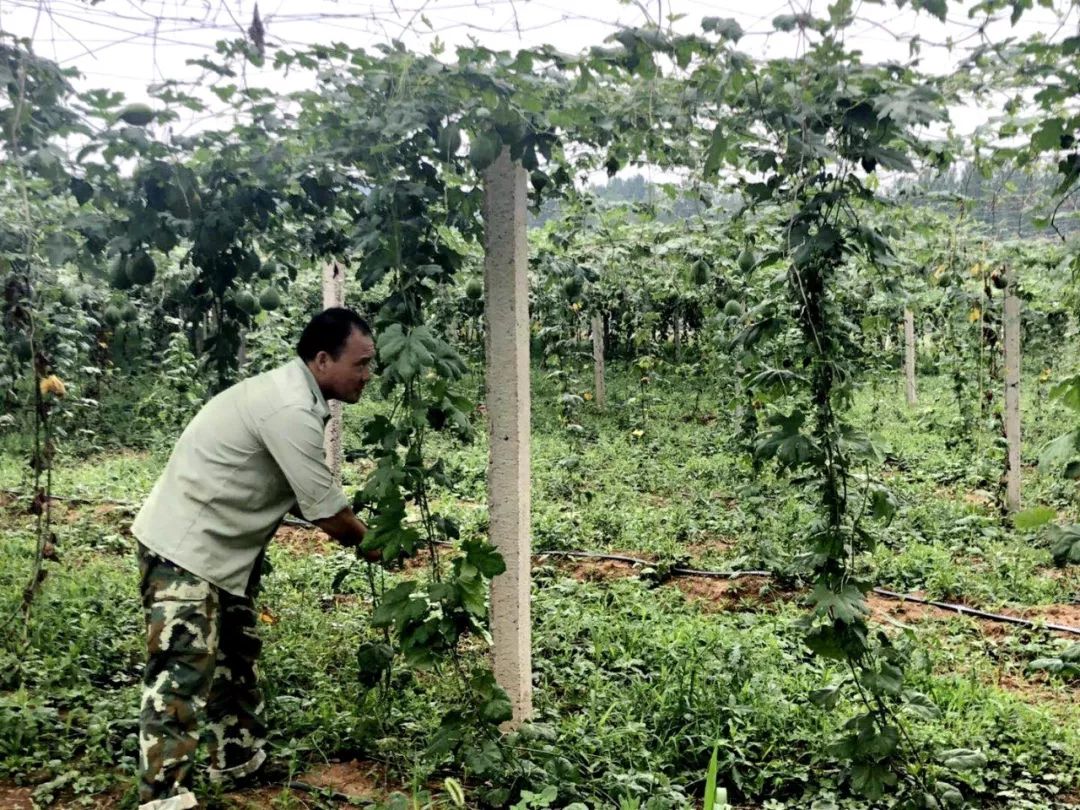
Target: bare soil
(21, 798)
(1068, 615)
(356, 779)
(714, 545)
(586, 570)
(745, 593)
(15, 798)
(301, 540)
(901, 611)
(714, 595)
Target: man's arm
(349, 530)
(294, 437)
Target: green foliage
(176, 394)
(776, 301)
(635, 685)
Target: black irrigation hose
(695, 572)
(686, 572)
(981, 614)
(961, 609)
(73, 498)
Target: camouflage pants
(201, 670)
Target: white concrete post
(599, 392)
(333, 295)
(909, 356)
(506, 314)
(241, 353)
(1012, 393)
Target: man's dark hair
(328, 331)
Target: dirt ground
(15, 798)
(356, 780)
(346, 780)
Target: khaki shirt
(249, 456)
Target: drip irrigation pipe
(981, 614)
(686, 572)
(71, 498)
(694, 572)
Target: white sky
(126, 44)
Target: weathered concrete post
(1012, 392)
(333, 295)
(506, 314)
(677, 337)
(909, 356)
(599, 391)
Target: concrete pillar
(1012, 393)
(909, 356)
(241, 353)
(506, 314)
(599, 391)
(677, 328)
(333, 294)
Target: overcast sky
(126, 44)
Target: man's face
(345, 377)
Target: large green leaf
(405, 353)
(786, 443)
(1065, 546)
(962, 759)
(938, 8)
(1068, 391)
(1058, 453)
(848, 604)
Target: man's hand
(349, 530)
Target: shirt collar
(320, 406)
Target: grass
(635, 684)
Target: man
(253, 453)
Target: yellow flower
(974, 315)
(52, 385)
(587, 396)
(976, 269)
(1045, 375)
(266, 617)
(639, 433)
